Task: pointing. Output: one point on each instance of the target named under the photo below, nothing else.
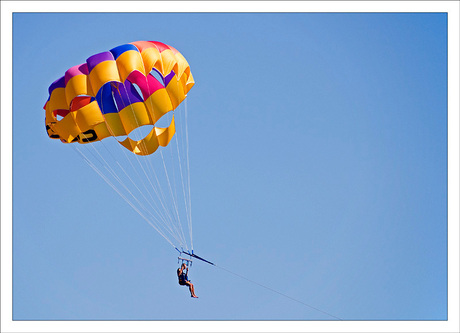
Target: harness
(183, 277)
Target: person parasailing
(182, 274)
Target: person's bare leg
(192, 290)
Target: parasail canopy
(115, 92)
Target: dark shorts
(182, 282)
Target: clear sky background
(318, 157)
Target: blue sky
(318, 161)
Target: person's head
(183, 266)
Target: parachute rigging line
(116, 177)
(188, 174)
(162, 224)
(149, 165)
(173, 218)
(153, 221)
(101, 174)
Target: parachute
(121, 112)
(99, 99)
